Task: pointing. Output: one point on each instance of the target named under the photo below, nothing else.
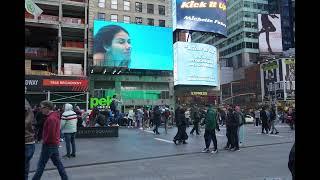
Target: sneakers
(226, 148)
(66, 156)
(235, 149)
(205, 150)
(141, 128)
(61, 139)
(276, 133)
(214, 151)
(73, 155)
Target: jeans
(70, 139)
(241, 134)
(228, 134)
(234, 137)
(28, 153)
(208, 136)
(195, 127)
(257, 121)
(52, 152)
(273, 126)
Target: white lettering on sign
(31, 82)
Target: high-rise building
(56, 52)
(136, 87)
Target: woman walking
(181, 123)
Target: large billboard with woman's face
(132, 46)
(200, 15)
(195, 64)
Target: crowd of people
(51, 125)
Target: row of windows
(238, 47)
(127, 19)
(242, 24)
(240, 15)
(248, 4)
(127, 5)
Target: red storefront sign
(74, 84)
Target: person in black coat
(156, 118)
(264, 119)
(291, 162)
(196, 119)
(181, 123)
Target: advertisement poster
(132, 46)
(270, 38)
(290, 78)
(195, 64)
(200, 15)
(270, 81)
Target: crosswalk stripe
(163, 140)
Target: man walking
(273, 118)
(51, 141)
(264, 119)
(28, 137)
(234, 126)
(196, 119)
(210, 133)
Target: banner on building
(32, 8)
(270, 37)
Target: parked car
(249, 119)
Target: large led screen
(270, 38)
(195, 64)
(133, 46)
(200, 15)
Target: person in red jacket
(51, 141)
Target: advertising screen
(132, 46)
(195, 64)
(270, 38)
(200, 15)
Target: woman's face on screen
(120, 49)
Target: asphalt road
(138, 154)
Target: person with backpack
(211, 124)
(196, 119)
(264, 119)
(156, 118)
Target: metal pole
(231, 94)
(87, 101)
(48, 95)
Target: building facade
(134, 87)
(56, 52)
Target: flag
(32, 8)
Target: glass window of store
(126, 5)
(162, 10)
(114, 17)
(126, 19)
(102, 3)
(150, 8)
(138, 7)
(114, 4)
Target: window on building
(102, 3)
(138, 20)
(239, 58)
(150, 21)
(114, 17)
(126, 5)
(255, 45)
(114, 4)
(138, 7)
(229, 62)
(126, 19)
(249, 45)
(162, 23)
(150, 8)
(102, 16)
(162, 10)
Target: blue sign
(195, 64)
(133, 46)
(200, 15)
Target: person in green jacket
(211, 125)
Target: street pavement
(139, 154)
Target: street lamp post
(231, 93)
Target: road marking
(271, 135)
(164, 140)
(219, 135)
(149, 131)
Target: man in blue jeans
(28, 137)
(51, 141)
